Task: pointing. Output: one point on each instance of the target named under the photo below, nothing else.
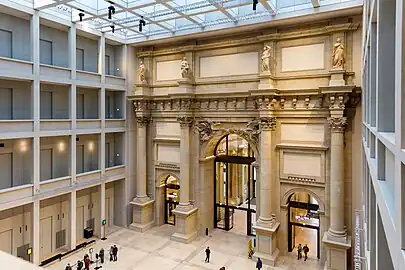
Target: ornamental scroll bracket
(207, 130)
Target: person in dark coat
(306, 250)
(101, 254)
(68, 267)
(259, 264)
(115, 252)
(79, 265)
(299, 250)
(207, 254)
(87, 262)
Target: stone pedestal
(337, 77)
(142, 213)
(266, 81)
(142, 90)
(266, 246)
(336, 252)
(185, 87)
(186, 224)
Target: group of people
(99, 256)
(301, 249)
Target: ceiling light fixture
(112, 28)
(81, 15)
(111, 10)
(255, 2)
(141, 23)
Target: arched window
(233, 145)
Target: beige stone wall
(223, 88)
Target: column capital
(267, 123)
(337, 101)
(143, 121)
(185, 121)
(337, 124)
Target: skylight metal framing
(166, 18)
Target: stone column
(185, 213)
(336, 239)
(267, 225)
(142, 204)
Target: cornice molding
(256, 40)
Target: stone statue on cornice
(142, 72)
(338, 55)
(184, 67)
(265, 60)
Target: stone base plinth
(337, 77)
(142, 90)
(142, 213)
(186, 224)
(266, 242)
(266, 81)
(336, 252)
(185, 87)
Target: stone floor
(154, 250)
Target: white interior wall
(21, 164)
(16, 221)
(57, 210)
(90, 144)
(20, 99)
(90, 103)
(60, 43)
(88, 201)
(20, 29)
(60, 165)
(55, 105)
(114, 149)
(90, 48)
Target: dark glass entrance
(172, 197)
(234, 184)
(303, 215)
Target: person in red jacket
(87, 262)
(306, 250)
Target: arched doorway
(172, 198)
(303, 223)
(234, 185)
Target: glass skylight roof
(166, 18)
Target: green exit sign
(104, 222)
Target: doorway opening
(172, 198)
(303, 223)
(234, 185)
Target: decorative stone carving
(337, 124)
(265, 103)
(267, 123)
(205, 130)
(185, 104)
(253, 130)
(143, 121)
(142, 72)
(338, 55)
(141, 105)
(265, 59)
(185, 121)
(282, 102)
(307, 101)
(184, 68)
(294, 102)
(337, 102)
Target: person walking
(115, 252)
(306, 250)
(68, 267)
(207, 254)
(259, 264)
(101, 254)
(299, 250)
(87, 262)
(79, 265)
(111, 253)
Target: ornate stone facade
(337, 124)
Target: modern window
(45, 52)
(6, 175)
(6, 103)
(46, 105)
(107, 65)
(6, 43)
(80, 106)
(46, 164)
(79, 59)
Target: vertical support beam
(102, 209)
(73, 89)
(35, 232)
(185, 124)
(101, 70)
(72, 207)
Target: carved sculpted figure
(184, 67)
(338, 54)
(142, 72)
(265, 60)
(205, 129)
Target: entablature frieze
(325, 30)
(296, 101)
